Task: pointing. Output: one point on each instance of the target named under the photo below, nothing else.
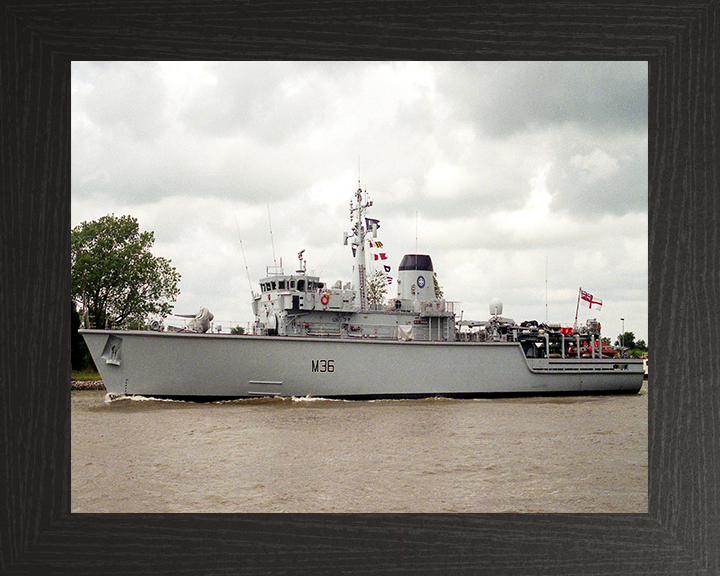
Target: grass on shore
(84, 376)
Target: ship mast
(357, 237)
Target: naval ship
(314, 340)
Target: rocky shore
(87, 385)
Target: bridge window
(301, 285)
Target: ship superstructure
(302, 305)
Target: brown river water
(556, 454)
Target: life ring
(325, 298)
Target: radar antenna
(302, 268)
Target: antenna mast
(357, 237)
(272, 242)
(546, 293)
(417, 216)
(252, 294)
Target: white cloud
(595, 166)
(446, 181)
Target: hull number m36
(322, 365)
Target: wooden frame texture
(681, 532)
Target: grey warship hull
(220, 366)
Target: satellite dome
(496, 307)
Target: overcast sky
(524, 180)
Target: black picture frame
(39, 535)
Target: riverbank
(87, 385)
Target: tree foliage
(377, 287)
(116, 276)
(627, 340)
(438, 289)
(635, 349)
(80, 358)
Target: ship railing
(326, 330)
(372, 331)
(438, 307)
(451, 306)
(574, 368)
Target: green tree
(115, 276)
(377, 287)
(627, 340)
(438, 289)
(80, 358)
